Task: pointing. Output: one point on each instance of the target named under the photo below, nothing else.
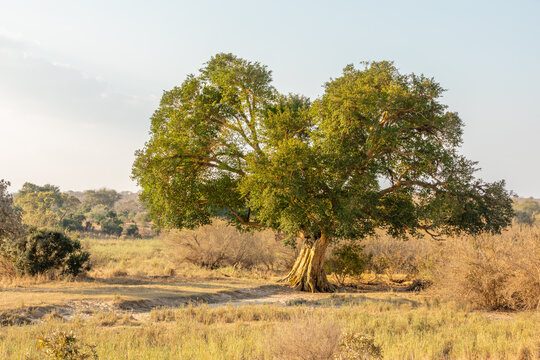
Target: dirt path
(140, 307)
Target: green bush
(42, 250)
(133, 231)
(111, 226)
(73, 222)
(345, 260)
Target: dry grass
(493, 272)
(401, 259)
(7, 269)
(220, 245)
(308, 338)
(402, 330)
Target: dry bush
(220, 245)
(493, 272)
(413, 258)
(305, 339)
(7, 269)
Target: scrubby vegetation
(527, 211)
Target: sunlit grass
(404, 330)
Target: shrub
(356, 346)
(133, 231)
(493, 272)
(220, 245)
(111, 226)
(42, 250)
(10, 219)
(346, 260)
(415, 257)
(7, 270)
(64, 346)
(73, 222)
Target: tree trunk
(307, 273)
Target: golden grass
(404, 330)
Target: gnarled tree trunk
(307, 273)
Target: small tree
(73, 222)
(377, 150)
(111, 226)
(347, 260)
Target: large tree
(377, 150)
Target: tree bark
(307, 273)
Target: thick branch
(206, 161)
(241, 219)
(401, 184)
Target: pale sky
(79, 80)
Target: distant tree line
(103, 211)
(527, 211)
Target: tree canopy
(377, 150)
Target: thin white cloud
(64, 126)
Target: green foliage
(64, 346)
(42, 250)
(104, 197)
(346, 260)
(111, 226)
(133, 231)
(107, 219)
(377, 150)
(10, 218)
(99, 213)
(201, 135)
(73, 222)
(527, 211)
(44, 206)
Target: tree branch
(241, 219)
(401, 184)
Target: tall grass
(402, 330)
